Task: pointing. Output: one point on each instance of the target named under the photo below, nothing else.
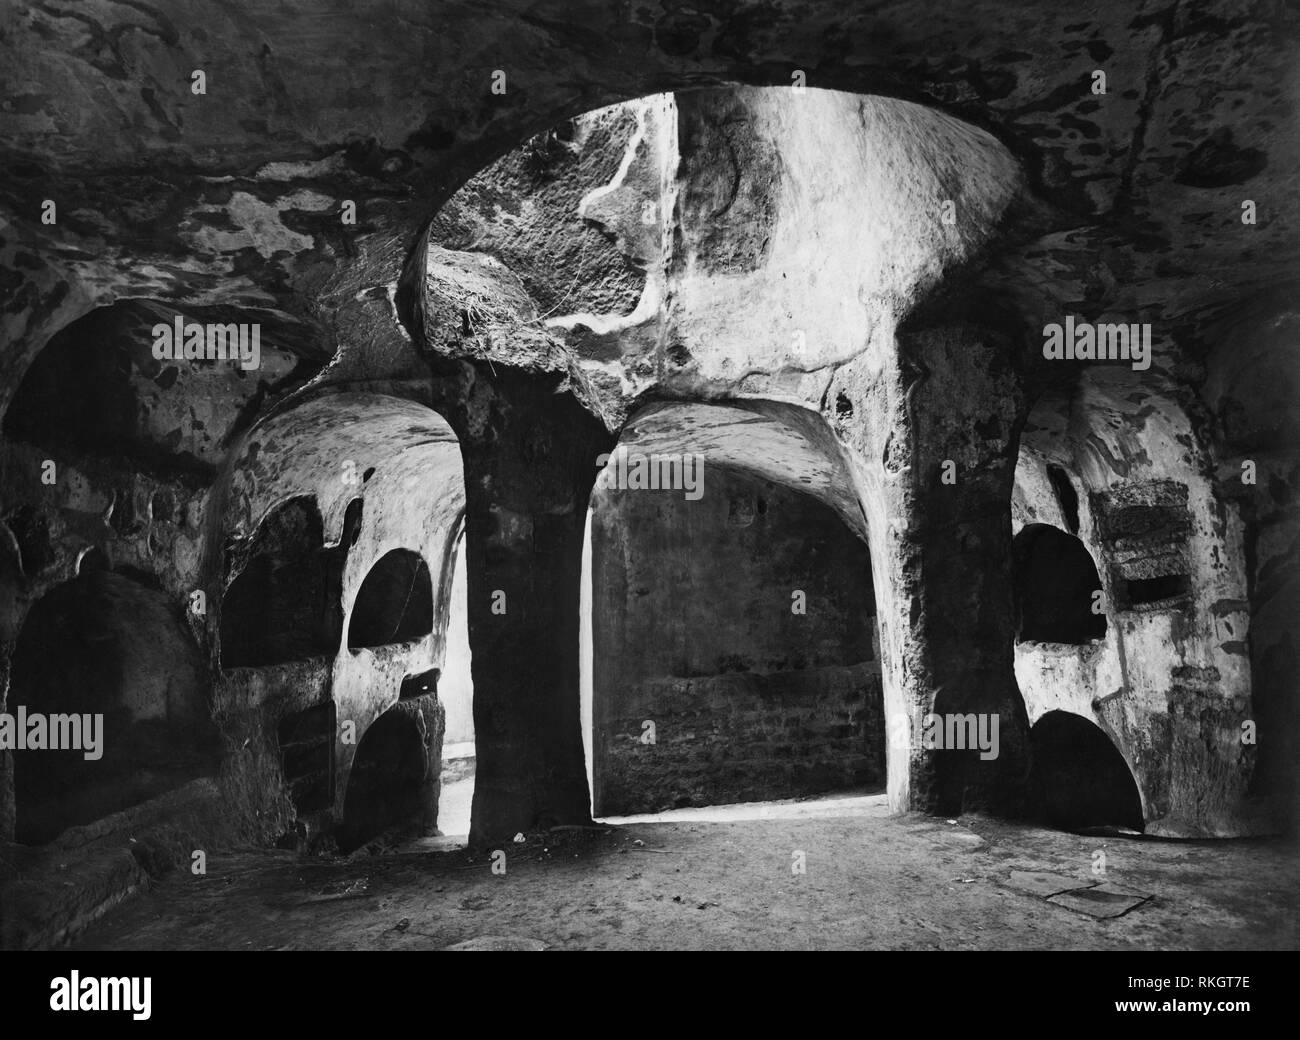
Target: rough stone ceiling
(786, 445)
(763, 235)
(1105, 431)
(303, 451)
(232, 197)
(857, 231)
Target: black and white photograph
(726, 475)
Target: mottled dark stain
(1218, 162)
(679, 32)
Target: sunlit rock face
(818, 247)
(716, 243)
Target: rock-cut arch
(390, 781)
(734, 609)
(395, 602)
(1056, 585)
(1077, 777)
(284, 604)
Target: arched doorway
(731, 615)
(390, 782)
(1077, 778)
(395, 604)
(283, 605)
(1056, 582)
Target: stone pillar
(936, 456)
(530, 463)
(968, 407)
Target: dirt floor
(726, 880)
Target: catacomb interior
(813, 254)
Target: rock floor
(723, 879)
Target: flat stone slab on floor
(1102, 901)
(1041, 883)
